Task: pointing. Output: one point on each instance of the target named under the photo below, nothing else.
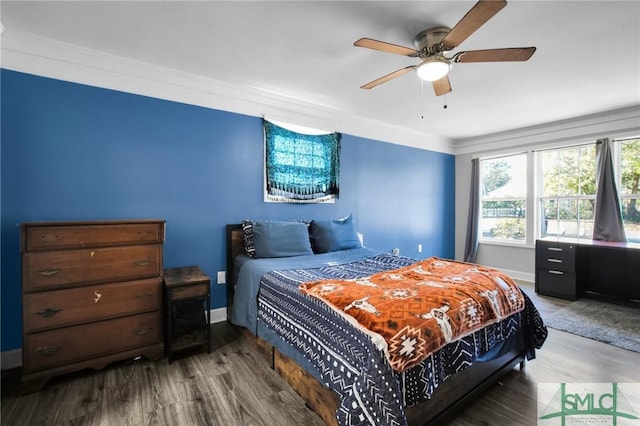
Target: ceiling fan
(432, 45)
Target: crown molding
(618, 123)
(53, 59)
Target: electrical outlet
(222, 277)
(419, 248)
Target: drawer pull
(49, 237)
(49, 312)
(143, 331)
(47, 350)
(98, 296)
(554, 249)
(554, 260)
(143, 262)
(556, 272)
(49, 272)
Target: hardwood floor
(233, 386)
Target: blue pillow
(333, 235)
(280, 239)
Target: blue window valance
(301, 168)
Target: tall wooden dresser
(91, 294)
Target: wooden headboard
(235, 247)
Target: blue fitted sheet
(249, 272)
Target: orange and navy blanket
(422, 307)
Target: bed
(342, 371)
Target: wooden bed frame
(450, 396)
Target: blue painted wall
(72, 152)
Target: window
(567, 188)
(564, 195)
(504, 197)
(628, 186)
(300, 168)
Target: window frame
(504, 241)
(617, 165)
(533, 203)
(540, 199)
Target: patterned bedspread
(420, 308)
(347, 360)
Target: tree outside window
(504, 196)
(629, 187)
(567, 191)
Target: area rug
(602, 321)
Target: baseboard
(519, 275)
(11, 359)
(217, 315)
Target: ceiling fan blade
(476, 17)
(442, 86)
(383, 46)
(496, 55)
(388, 77)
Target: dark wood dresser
(91, 294)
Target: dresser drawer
(46, 270)
(58, 308)
(556, 283)
(58, 347)
(43, 237)
(555, 255)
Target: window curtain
(607, 225)
(471, 243)
(301, 168)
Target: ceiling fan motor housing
(428, 41)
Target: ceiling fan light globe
(433, 69)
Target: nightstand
(188, 304)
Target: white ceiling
(587, 59)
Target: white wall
(518, 260)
